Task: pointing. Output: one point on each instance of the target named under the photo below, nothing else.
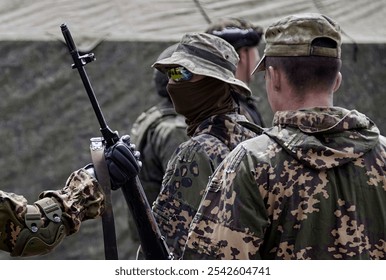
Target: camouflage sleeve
(232, 218)
(34, 229)
(183, 186)
(81, 199)
(12, 210)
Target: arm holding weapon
(123, 167)
(30, 229)
(36, 229)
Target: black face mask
(197, 101)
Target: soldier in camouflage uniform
(28, 230)
(201, 86)
(157, 132)
(314, 185)
(245, 38)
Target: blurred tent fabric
(93, 21)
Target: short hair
(306, 72)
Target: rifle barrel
(152, 242)
(79, 63)
(108, 222)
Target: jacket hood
(324, 138)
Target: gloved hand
(122, 162)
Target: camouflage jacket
(188, 173)
(156, 133)
(311, 187)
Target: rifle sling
(108, 224)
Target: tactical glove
(122, 162)
(28, 230)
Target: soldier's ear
(338, 81)
(275, 77)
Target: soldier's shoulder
(172, 122)
(202, 145)
(148, 120)
(152, 115)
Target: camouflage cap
(294, 35)
(208, 55)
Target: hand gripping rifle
(153, 244)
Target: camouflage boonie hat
(161, 79)
(293, 36)
(208, 55)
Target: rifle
(153, 244)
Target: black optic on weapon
(239, 37)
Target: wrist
(44, 210)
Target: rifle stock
(152, 243)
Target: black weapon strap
(109, 237)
